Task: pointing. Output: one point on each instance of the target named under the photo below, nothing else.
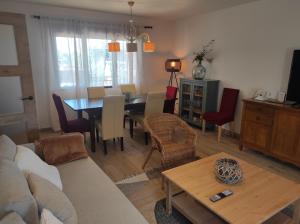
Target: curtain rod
(39, 17)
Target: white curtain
(76, 56)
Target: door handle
(27, 98)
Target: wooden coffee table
(258, 198)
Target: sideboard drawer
(260, 109)
(262, 118)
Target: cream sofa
(95, 197)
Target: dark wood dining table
(93, 108)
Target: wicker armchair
(172, 137)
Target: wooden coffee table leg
(169, 197)
(296, 215)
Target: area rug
(177, 218)
(162, 218)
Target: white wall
(154, 76)
(253, 47)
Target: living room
(149, 111)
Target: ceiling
(167, 9)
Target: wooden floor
(120, 165)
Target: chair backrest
(113, 91)
(171, 92)
(61, 112)
(96, 92)
(128, 88)
(154, 103)
(160, 123)
(229, 101)
(112, 117)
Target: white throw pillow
(29, 162)
(48, 218)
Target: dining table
(93, 107)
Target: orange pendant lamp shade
(114, 46)
(149, 46)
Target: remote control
(221, 195)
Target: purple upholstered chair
(77, 125)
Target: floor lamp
(173, 66)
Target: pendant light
(131, 46)
(114, 46)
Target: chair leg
(122, 144)
(97, 135)
(203, 126)
(148, 157)
(135, 124)
(146, 138)
(105, 147)
(219, 133)
(124, 122)
(131, 127)
(114, 139)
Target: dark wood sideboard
(273, 129)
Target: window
(87, 62)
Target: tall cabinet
(197, 97)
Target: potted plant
(199, 71)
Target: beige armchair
(96, 92)
(172, 137)
(154, 105)
(111, 124)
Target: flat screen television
(293, 92)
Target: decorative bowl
(228, 171)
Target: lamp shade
(149, 46)
(131, 47)
(114, 46)
(173, 65)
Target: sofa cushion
(48, 196)
(95, 197)
(15, 195)
(12, 218)
(62, 149)
(29, 162)
(48, 218)
(8, 148)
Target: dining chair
(171, 94)
(127, 88)
(116, 91)
(154, 105)
(81, 125)
(226, 111)
(96, 92)
(111, 124)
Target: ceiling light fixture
(148, 46)
(131, 36)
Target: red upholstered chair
(171, 99)
(226, 112)
(77, 125)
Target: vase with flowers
(199, 71)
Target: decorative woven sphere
(228, 171)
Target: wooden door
(257, 135)
(257, 126)
(286, 135)
(24, 123)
